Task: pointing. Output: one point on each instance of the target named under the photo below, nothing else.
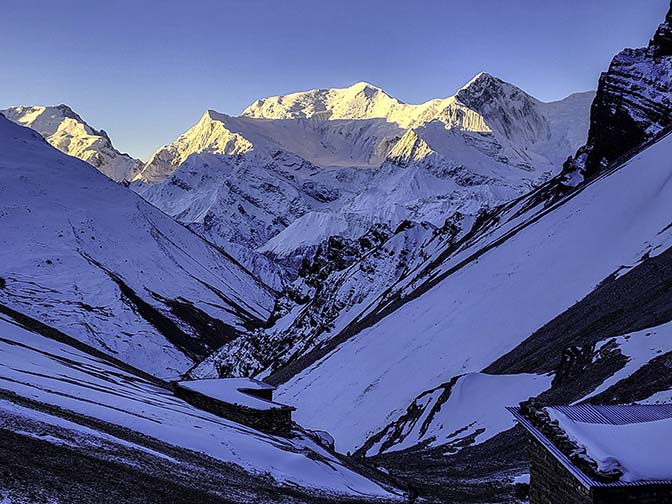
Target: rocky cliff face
(633, 103)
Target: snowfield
(639, 348)
(44, 370)
(472, 408)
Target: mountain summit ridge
(360, 100)
(333, 157)
(65, 129)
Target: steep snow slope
(639, 349)
(93, 259)
(49, 377)
(69, 133)
(455, 414)
(294, 169)
(535, 273)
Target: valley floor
(481, 474)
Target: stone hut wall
(276, 421)
(650, 494)
(551, 482)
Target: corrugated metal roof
(614, 415)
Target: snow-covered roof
(641, 449)
(233, 391)
(635, 439)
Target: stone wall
(551, 482)
(276, 421)
(651, 494)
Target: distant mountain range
(293, 170)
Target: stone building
(242, 400)
(587, 454)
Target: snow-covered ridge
(485, 101)
(326, 143)
(359, 101)
(69, 133)
(91, 258)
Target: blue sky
(146, 70)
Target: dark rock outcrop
(662, 40)
(574, 361)
(633, 103)
(336, 253)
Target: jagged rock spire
(662, 40)
(633, 103)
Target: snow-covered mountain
(69, 133)
(242, 180)
(436, 267)
(294, 170)
(411, 307)
(421, 336)
(92, 259)
(359, 101)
